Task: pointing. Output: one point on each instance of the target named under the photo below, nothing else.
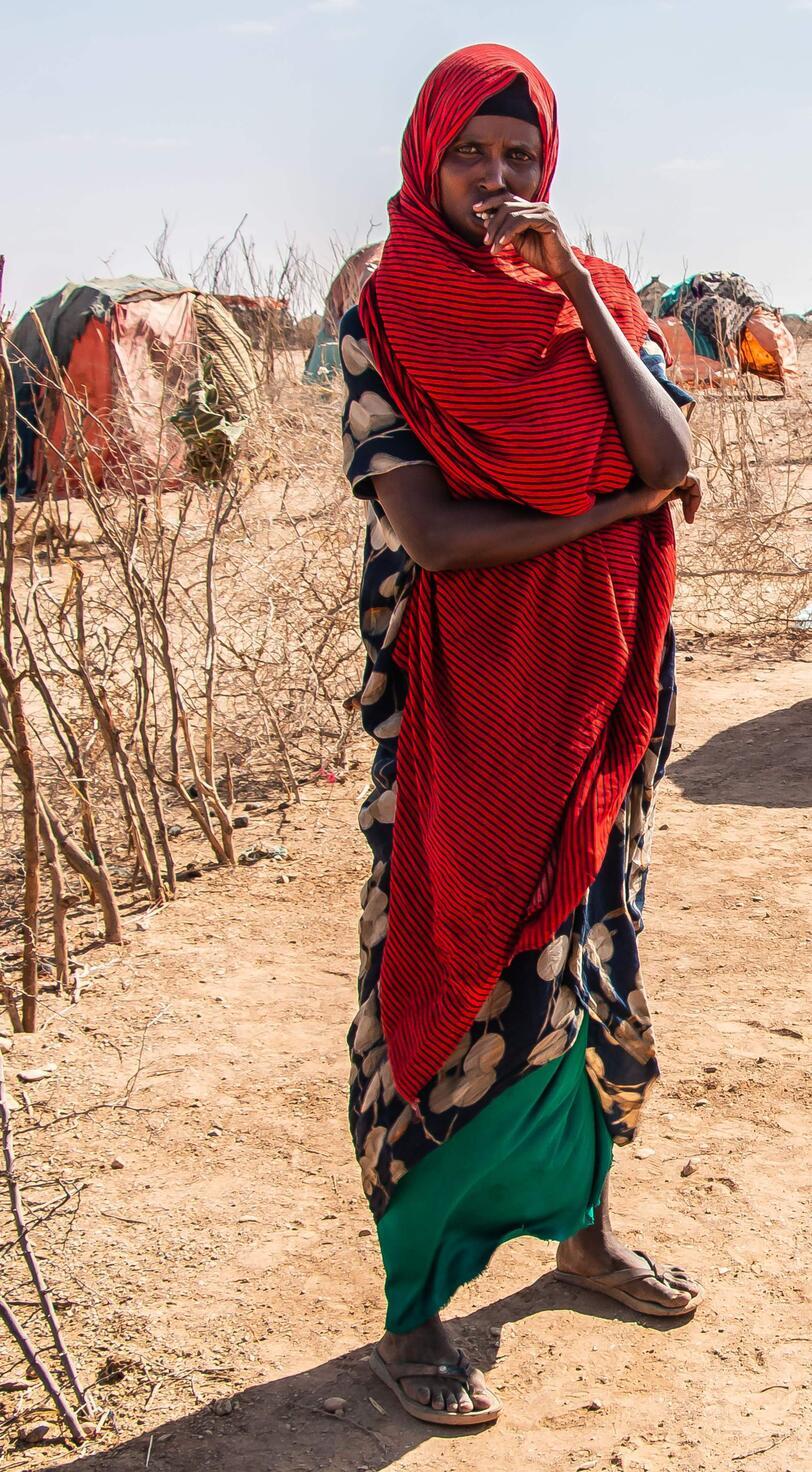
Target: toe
(464, 1403)
(481, 1397)
(678, 1278)
(663, 1293)
(670, 1287)
(678, 1299)
(438, 1400)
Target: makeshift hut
(717, 323)
(651, 295)
(265, 320)
(163, 376)
(799, 324)
(344, 292)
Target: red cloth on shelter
(88, 377)
(533, 687)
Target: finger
(520, 224)
(503, 234)
(513, 207)
(690, 506)
(502, 213)
(494, 222)
(497, 202)
(519, 215)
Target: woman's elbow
(668, 453)
(431, 551)
(435, 559)
(669, 469)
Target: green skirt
(530, 1164)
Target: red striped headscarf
(532, 687)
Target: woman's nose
(493, 175)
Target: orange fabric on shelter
(768, 347)
(89, 379)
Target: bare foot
(432, 1345)
(596, 1251)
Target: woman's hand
(535, 232)
(643, 500)
(690, 494)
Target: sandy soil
(223, 1273)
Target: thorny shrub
(745, 567)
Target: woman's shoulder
(356, 354)
(377, 437)
(350, 324)
(605, 272)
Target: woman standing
(505, 423)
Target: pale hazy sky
(686, 127)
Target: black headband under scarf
(514, 101)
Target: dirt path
(229, 1257)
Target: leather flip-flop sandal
(458, 1374)
(615, 1285)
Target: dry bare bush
(290, 644)
(163, 652)
(628, 254)
(279, 306)
(33, 1322)
(169, 651)
(746, 565)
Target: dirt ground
(221, 1271)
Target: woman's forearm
(484, 539)
(444, 534)
(654, 432)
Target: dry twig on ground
(18, 1332)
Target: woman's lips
(486, 211)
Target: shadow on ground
(765, 763)
(281, 1426)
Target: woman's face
(490, 158)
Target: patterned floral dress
(588, 974)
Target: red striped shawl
(532, 687)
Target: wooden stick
(11, 680)
(28, 1253)
(41, 1371)
(61, 900)
(10, 1002)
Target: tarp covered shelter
(265, 320)
(716, 322)
(134, 352)
(344, 292)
